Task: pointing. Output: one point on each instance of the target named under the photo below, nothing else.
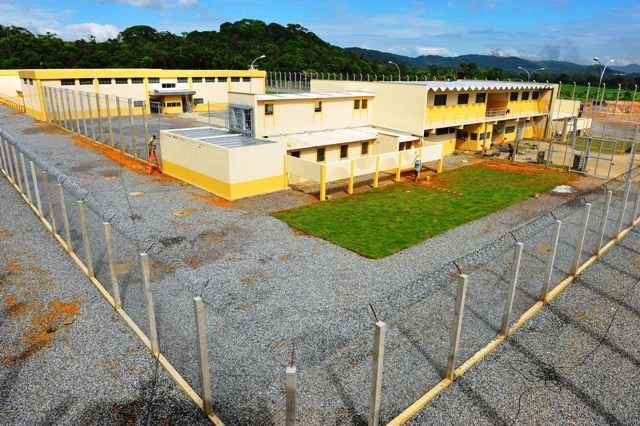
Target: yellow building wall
(400, 106)
(299, 115)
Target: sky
(563, 30)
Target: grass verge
(383, 221)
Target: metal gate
(592, 156)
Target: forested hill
(234, 46)
(290, 48)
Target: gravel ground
(266, 287)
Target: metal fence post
(27, 185)
(550, 261)
(47, 192)
(133, 130)
(508, 305)
(3, 161)
(290, 392)
(99, 118)
(625, 197)
(603, 224)
(108, 108)
(112, 265)
(203, 356)
(16, 176)
(35, 187)
(120, 123)
(457, 326)
(65, 220)
(583, 231)
(84, 119)
(635, 208)
(153, 334)
(85, 239)
(93, 130)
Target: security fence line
(19, 167)
(23, 179)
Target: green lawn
(621, 147)
(382, 221)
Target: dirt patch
(213, 199)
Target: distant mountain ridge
(490, 61)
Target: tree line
(235, 46)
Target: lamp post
(396, 67)
(259, 57)
(529, 73)
(595, 58)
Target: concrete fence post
(112, 265)
(623, 207)
(3, 160)
(35, 187)
(583, 232)
(108, 108)
(47, 192)
(634, 216)
(75, 112)
(457, 327)
(93, 130)
(16, 176)
(84, 119)
(65, 219)
(203, 356)
(603, 223)
(99, 118)
(508, 305)
(376, 382)
(550, 261)
(153, 334)
(119, 109)
(66, 93)
(11, 175)
(85, 239)
(27, 184)
(290, 392)
(133, 130)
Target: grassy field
(610, 94)
(383, 221)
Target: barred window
(154, 80)
(137, 103)
(168, 85)
(210, 80)
(198, 101)
(235, 79)
(183, 79)
(197, 79)
(137, 81)
(104, 81)
(440, 100)
(122, 81)
(86, 81)
(68, 82)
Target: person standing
(511, 149)
(416, 168)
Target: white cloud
(440, 51)
(99, 31)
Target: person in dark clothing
(510, 150)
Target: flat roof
(218, 137)
(170, 92)
(337, 136)
(314, 95)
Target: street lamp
(595, 58)
(529, 73)
(259, 57)
(396, 67)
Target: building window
(68, 82)
(137, 103)
(222, 79)
(525, 96)
(173, 104)
(121, 81)
(209, 79)
(462, 134)
(198, 101)
(481, 98)
(440, 100)
(104, 81)
(356, 104)
(268, 109)
(426, 134)
(246, 79)
(364, 150)
(405, 146)
(86, 81)
(235, 79)
(241, 120)
(31, 82)
(25, 81)
(317, 107)
(183, 79)
(510, 129)
(535, 95)
(295, 154)
(444, 130)
(320, 155)
(463, 98)
(168, 85)
(137, 81)
(484, 136)
(473, 136)
(197, 79)
(344, 151)
(363, 104)
(513, 96)
(153, 80)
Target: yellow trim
(224, 189)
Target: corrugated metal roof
(467, 85)
(337, 136)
